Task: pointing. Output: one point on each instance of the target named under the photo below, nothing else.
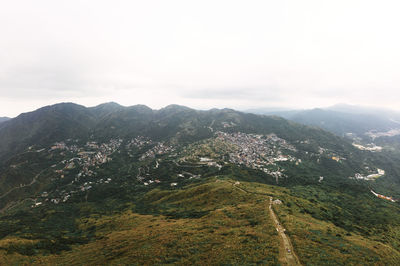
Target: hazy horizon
(259, 110)
(209, 54)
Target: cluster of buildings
(63, 196)
(209, 162)
(138, 142)
(63, 146)
(228, 124)
(369, 147)
(158, 149)
(329, 154)
(257, 151)
(85, 158)
(91, 155)
(379, 173)
(262, 152)
(96, 154)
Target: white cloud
(199, 53)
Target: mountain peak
(62, 106)
(175, 107)
(140, 108)
(108, 105)
(105, 108)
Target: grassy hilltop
(212, 222)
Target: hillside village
(159, 149)
(259, 151)
(114, 171)
(262, 152)
(85, 159)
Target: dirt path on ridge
(286, 252)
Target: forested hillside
(178, 185)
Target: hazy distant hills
(3, 119)
(342, 119)
(341, 123)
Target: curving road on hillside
(286, 251)
(22, 186)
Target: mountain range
(342, 119)
(68, 120)
(131, 184)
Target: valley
(179, 186)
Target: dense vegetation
(170, 207)
(213, 221)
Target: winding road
(27, 185)
(10, 204)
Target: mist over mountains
(342, 119)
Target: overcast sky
(203, 54)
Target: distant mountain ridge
(3, 119)
(342, 119)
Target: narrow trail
(189, 166)
(286, 251)
(210, 126)
(27, 185)
(13, 204)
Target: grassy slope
(235, 228)
(319, 242)
(216, 222)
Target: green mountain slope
(44, 126)
(134, 185)
(217, 221)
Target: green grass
(233, 228)
(213, 222)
